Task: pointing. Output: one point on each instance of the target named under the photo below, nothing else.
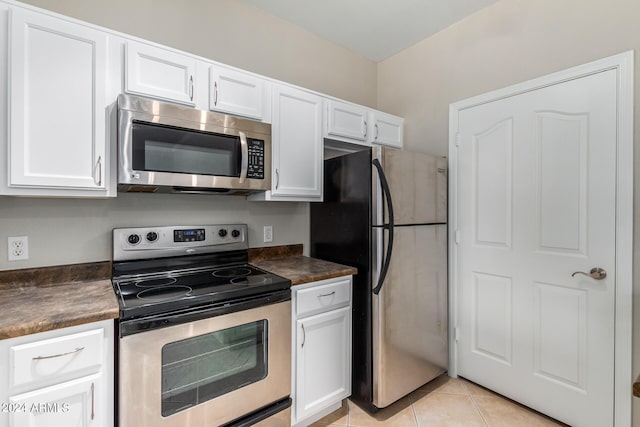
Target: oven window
(201, 368)
(161, 148)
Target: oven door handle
(244, 165)
(133, 326)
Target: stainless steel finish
(281, 419)
(418, 190)
(164, 246)
(244, 163)
(304, 335)
(376, 126)
(595, 273)
(191, 88)
(142, 354)
(365, 129)
(153, 111)
(215, 93)
(410, 313)
(277, 178)
(327, 295)
(93, 401)
(58, 355)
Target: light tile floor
(441, 403)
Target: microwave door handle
(245, 157)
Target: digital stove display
(195, 235)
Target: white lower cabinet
(58, 378)
(72, 403)
(321, 348)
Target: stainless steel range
(205, 338)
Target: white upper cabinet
(56, 107)
(236, 92)
(385, 129)
(345, 121)
(160, 73)
(296, 138)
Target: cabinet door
(385, 129)
(323, 369)
(297, 144)
(160, 73)
(74, 403)
(346, 121)
(57, 105)
(235, 92)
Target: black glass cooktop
(166, 290)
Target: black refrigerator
(384, 212)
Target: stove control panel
(153, 242)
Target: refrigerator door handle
(387, 195)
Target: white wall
(67, 231)
(509, 42)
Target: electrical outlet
(18, 248)
(268, 233)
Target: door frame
(623, 63)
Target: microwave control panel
(256, 159)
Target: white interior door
(536, 202)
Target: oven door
(207, 372)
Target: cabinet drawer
(62, 357)
(323, 297)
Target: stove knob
(152, 236)
(133, 239)
(235, 233)
(222, 232)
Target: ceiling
(377, 29)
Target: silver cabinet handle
(99, 167)
(376, 137)
(58, 355)
(327, 295)
(595, 273)
(93, 401)
(277, 179)
(365, 129)
(191, 87)
(244, 163)
(215, 93)
(304, 335)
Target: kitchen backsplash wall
(69, 231)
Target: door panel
(536, 203)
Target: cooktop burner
(232, 272)
(168, 275)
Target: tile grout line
(413, 411)
(475, 405)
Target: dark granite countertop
(301, 269)
(42, 299)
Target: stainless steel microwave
(163, 147)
